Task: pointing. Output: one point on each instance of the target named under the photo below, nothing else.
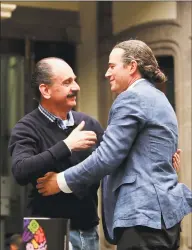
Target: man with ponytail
(143, 203)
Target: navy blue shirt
(36, 146)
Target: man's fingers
(80, 126)
(49, 174)
(90, 143)
(91, 138)
(176, 162)
(176, 165)
(89, 133)
(40, 185)
(45, 177)
(86, 145)
(42, 190)
(176, 158)
(179, 151)
(42, 179)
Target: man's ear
(45, 90)
(133, 67)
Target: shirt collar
(133, 84)
(53, 118)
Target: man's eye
(67, 83)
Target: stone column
(87, 60)
(184, 110)
(94, 98)
(105, 44)
(104, 21)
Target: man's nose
(75, 86)
(108, 74)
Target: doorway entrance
(166, 64)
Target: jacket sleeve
(99, 132)
(27, 161)
(126, 120)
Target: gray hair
(146, 61)
(42, 74)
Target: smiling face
(64, 88)
(118, 73)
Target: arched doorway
(166, 64)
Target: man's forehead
(69, 75)
(116, 54)
(58, 64)
(62, 68)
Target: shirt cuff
(62, 183)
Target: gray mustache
(72, 94)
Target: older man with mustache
(38, 145)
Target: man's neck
(134, 80)
(62, 114)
